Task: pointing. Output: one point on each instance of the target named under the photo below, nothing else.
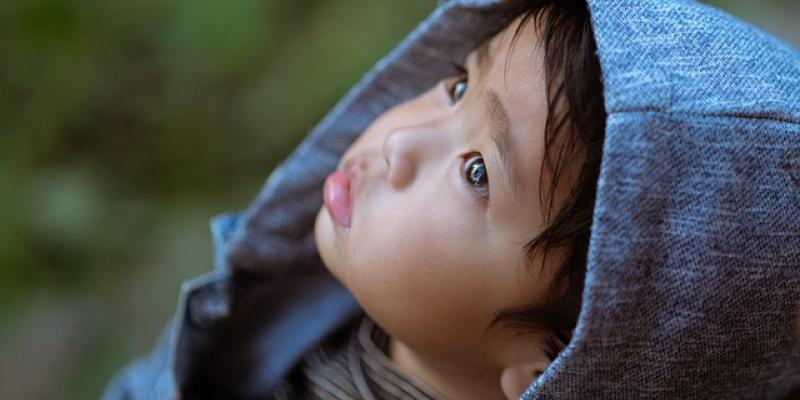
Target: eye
(458, 89)
(457, 86)
(476, 176)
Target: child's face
(433, 251)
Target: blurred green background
(126, 125)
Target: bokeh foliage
(126, 124)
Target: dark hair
(574, 132)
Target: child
(434, 215)
(493, 254)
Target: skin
(428, 256)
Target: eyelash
(458, 66)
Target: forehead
(512, 63)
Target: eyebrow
(500, 124)
(501, 136)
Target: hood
(693, 276)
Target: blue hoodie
(693, 277)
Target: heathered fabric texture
(693, 279)
(693, 276)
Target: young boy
(459, 220)
(430, 218)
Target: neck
(451, 380)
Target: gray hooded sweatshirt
(693, 278)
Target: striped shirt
(353, 366)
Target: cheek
(419, 261)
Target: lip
(337, 196)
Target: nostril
(395, 144)
(386, 149)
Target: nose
(408, 149)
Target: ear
(514, 380)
